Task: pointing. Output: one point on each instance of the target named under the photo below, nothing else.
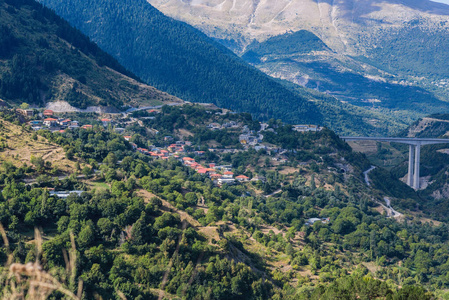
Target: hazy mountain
(381, 53)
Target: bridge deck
(409, 141)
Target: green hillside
(302, 41)
(179, 59)
(43, 58)
(146, 226)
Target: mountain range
(181, 60)
(383, 54)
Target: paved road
(366, 175)
(133, 109)
(410, 141)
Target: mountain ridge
(49, 60)
(181, 60)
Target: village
(180, 149)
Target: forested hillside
(147, 223)
(43, 58)
(179, 59)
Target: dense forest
(42, 58)
(179, 59)
(302, 41)
(145, 227)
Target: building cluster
(307, 128)
(218, 174)
(217, 126)
(52, 123)
(174, 150)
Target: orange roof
(202, 171)
(210, 169)
(61, 131)
(67, 120)
(188, 159)
(242, 177)
(164, 157)
(105, 120)
(228, 173)
(215, 175)
(127, 136)
(87, 126)
(50, 119)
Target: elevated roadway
(414, 152)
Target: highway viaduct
(414, 152)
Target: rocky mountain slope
(395, 48)
(347, 26)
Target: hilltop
(44, 59)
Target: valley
(374, 58)
(186, 173)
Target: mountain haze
(397, 49)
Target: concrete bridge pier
(413, 165)
(411, 156)
(416, 171)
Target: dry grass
(21, 147)
(29, 281)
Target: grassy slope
(20, 146)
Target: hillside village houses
(307, 128)
(177, 149)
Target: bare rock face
(442, 193)
(346, 26)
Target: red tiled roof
(188, 159)
(50, 119)
(242, 177)
(228, 173)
